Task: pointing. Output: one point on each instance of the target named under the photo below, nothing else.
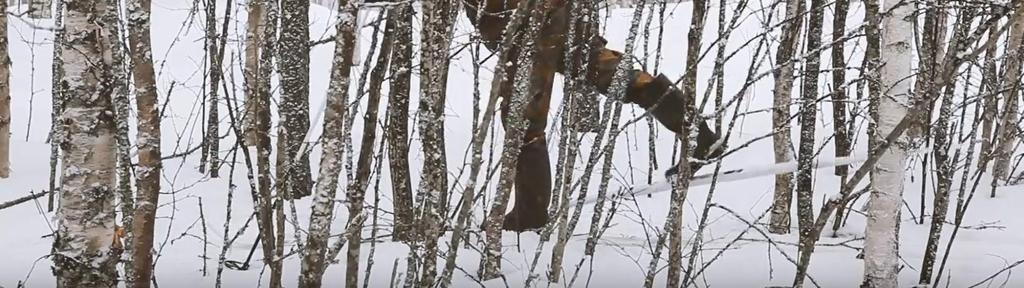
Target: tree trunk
(806, 152)
(293, 174)
(842, 135)
(689, 124)
(148, 140)
(437, 37)
(989, 88)
(263, 199)
(216, 43)
(1007, 130)
(253, 41)
(119, 86)
(85, 254)
(313, 264)
(781, 139)
(932, 52)
(515, 127)
(881, 248)
(5, 98)
(397, 132)
(57, 105)
(357, 188)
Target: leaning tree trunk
(781, 137)
(148, 139)
(5, 98)
(1007, 130)
(293, 174)
(881, 250)
(322, 214)
(85, 254)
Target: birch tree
(932, 52)
(806, 152)
(84, 250)
(57, 101)
(5, 98)
(253, 41)
(1007, 131)
(263, 198)
(515, 128)
(438, 24)
(313, 264)
(781, 137)
(148, 140)
(881, 248)
(215, 46)
(293, 174)
(674, 225)
(396, 134)
(839, 98)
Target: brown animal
(656, 94)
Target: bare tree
(781, 138)
(149, 167)
(674, 222)
(512, 82)
(436, 38)
(1007, 131)
(215, 46)
(119, 87)
(880, 245)
(57, 99)
(293, 174)
(253, 41)
(313, 264)
(806, 152)
(84, 250)
(989, 86)
(5, 98)
(839, 98)
(263, 198)
(396, 133)
(932, 48)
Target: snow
(622, 255)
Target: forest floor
(190, 236)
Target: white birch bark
(330, 162)
(5, 98)
(84, 251)
(881, 247)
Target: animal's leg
(533, 171)
(655, 94)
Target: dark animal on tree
(656, 94)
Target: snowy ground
(621, 259)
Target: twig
(23, 199)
